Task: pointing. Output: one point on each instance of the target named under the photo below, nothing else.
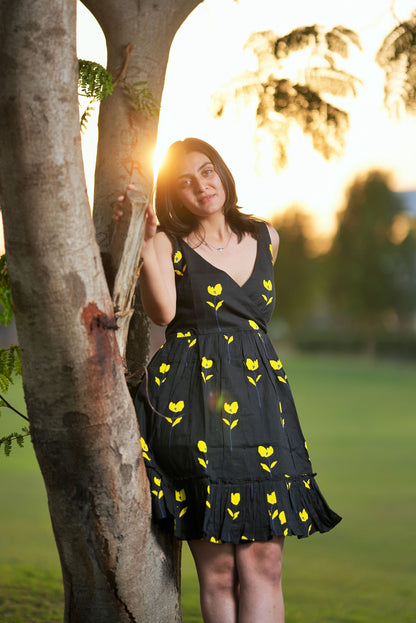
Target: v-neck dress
(224, 452)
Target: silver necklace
(220, 249)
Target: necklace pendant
(221, 249)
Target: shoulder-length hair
(173, 217)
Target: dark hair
(173, 217)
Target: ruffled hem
(239, 512)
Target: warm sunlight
(216, 33)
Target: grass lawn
(358, 417)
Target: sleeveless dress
(224, 452)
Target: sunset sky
(208, 51)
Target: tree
(397, 57)
(366, 282)
(82, 421)
(286, 96)
(297, 276)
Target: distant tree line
(364, 285)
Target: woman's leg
(259, 567)
(216, 568)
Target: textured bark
(83, 424)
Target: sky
(208, 51)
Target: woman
(227, 463)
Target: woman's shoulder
(164, 242)
(273, 236)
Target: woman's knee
(260, 562)
(215, 566)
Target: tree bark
(83, 424)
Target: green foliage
(95, 82)
(6, 306)
(10, 362)
(397, 57)
(142, 97)
(19, 438)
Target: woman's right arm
(157, 278)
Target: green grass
(358, 417)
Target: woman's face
(198, 186)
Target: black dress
(224, 451)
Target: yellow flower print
(180, 496)
(253, 325)
(282, 517)
(207, 502)
(268, 299)
(307, 483)
(163, 369)
(253, 365)
(229, 340)
(157, 491)
(180, 334)
(231, 409)
(276, 364)
(145, 449)
(202, 447)
(214, 540)
(176, 259)
(215, 290)
(175, 407)
(304, 515)
(271, 250)
(235, 501)
(207, 364)
(266, 453)
(271, 498)
(273, 512)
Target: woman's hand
(150, 216)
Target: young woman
(228, 465)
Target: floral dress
(225, 455)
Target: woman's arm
(274, 237)
(157, 279)
(157, 276)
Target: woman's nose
(200, 183)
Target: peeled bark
(82, 421)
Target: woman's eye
(208, 172)
(185, 183)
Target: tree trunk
(83, 424)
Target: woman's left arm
(274, 237)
